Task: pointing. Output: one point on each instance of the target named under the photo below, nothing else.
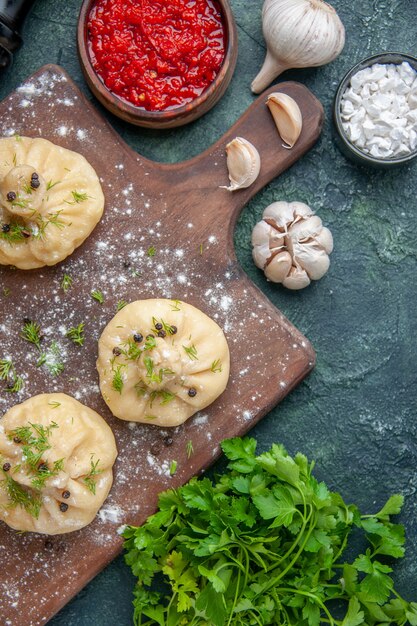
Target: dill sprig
(121, 304)
(35, 442)
(8, 373)
(44, 472)
(66, 282)
(173, 468)
(216, 366)
(76, 334)
(152, 375)
(191, 352)
(22, 496)
(170, 330)
(94, 471)
(14, 232)
(51, 184)
(118, 383)
(77, 197)
(176, 305)
(42, 223)
(32, 333)
(163, 395)
(97, 295)
(15, 385)
(151, 251)
(189, 448)
(6, 368)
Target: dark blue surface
(356, 414)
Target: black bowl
(345, 145)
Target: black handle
(13, 12)
(12, 16)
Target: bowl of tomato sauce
(157, 63)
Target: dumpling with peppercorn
(50, 201)
(56, 459)
(160, 361)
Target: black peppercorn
(35, 176)
(17, 440)
(63, 507)
(192, 392)
(27, 320)
(11, 196)
(34, 183)
(174, 330)
(168, 441)
(43, 467)
(117, 351)
(49, 545)
(161, 333)
(126, 264)
(66, 494)
(6, 467)
(158, 326)
(6, 228)
(137, 337)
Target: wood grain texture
(181, 211)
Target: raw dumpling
(160, 361)
(50, 201)
(56, 464)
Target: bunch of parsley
(263, 545)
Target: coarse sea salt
(379, 110)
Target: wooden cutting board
(167, 231)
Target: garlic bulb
(243, 163)
(291, 245)
(298, 33)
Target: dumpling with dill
(50, 201)
(56, 459)
(160, 361)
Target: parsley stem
(235, 599)
(313, 597)
(294, 559)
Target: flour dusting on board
(132, 254)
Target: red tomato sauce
(156, 54)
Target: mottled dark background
(356, 414)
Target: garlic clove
(312, 258)
(287, 117)
(325, 239)
(296, 279)
(261, 233)
(301, 210)
(305, 229)
(261, 254)
(281, 213)
(243, 163)
(279, 267)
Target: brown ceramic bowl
(171, 117)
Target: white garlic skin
(287, 117)
(243, 163)
(291, 245)
(298, 33)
